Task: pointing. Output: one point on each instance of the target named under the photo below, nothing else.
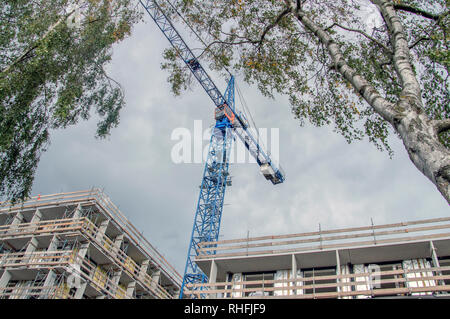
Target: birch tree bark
(418, 132)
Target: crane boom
(271, 170)
(216, 177)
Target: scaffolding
(78, 245)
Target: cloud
(328, 181)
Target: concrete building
(409, 259)
(78, 245)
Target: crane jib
(216, 173)
(183, 50)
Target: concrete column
(435, 262)
(213, 277)
(155, 278)
(338, 271)
(102, 230)
(144, 268)
(116, 277)
(294, 274)
(77, 213)
(213, 272)
(50, 279)
(18, 219)
(32, 246)
(118, 242)
(80, 291)
(130, 289)
(37, 216)
(53, 244)
(4, 279)
(83, 250)
(49, 283)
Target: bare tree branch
(383, 107)
(31, 49)
(441, 125)
(385, 48)
(402, 63)
(423, 13)
(274, 24)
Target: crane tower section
(229, 122)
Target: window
(445, 262)
(260, 285)
(389, 280)
(315, 274)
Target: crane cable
(246, 110)
(248, 114)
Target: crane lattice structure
(229, 122)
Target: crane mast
(229, 122)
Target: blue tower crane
(229, 122)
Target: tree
(370, 68)
(53, 55)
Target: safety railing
(429, 229)
(71, 263)
(369, 284)
(40, 228)
(36, 292)
(97, 197)
(90, 230)
(123, 260)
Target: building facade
(408, 259)
(78, 245)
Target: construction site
(80, 245)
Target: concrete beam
(116, 277)
(130, 289)
(102, 229)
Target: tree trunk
(420, 138)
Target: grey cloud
(328, 181)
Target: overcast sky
(327, 180)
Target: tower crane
(229, 122)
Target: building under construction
(78, 245)
(408, 259)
